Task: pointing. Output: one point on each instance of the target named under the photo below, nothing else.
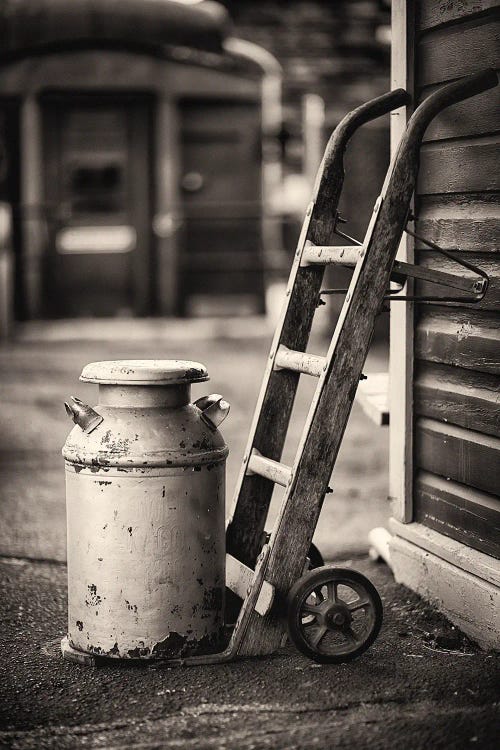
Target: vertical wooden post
(401, 320)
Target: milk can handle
(214, 409)
(82, 414)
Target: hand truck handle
(404, 175)
(400, 183)
(330, 177)
(366, 112)
(445, 96)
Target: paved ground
(421, 685)
(407, 691)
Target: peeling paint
(203, 444)
(93, 599)
(213, 599)
(140, 652)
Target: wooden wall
(457, 346)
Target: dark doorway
(97, 157)
(221, 258)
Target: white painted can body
(145, 512)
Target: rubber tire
(302, 589)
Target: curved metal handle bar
(330, 177)
(445, 96)
(346, 128)
(399, 187)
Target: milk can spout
(83, 415)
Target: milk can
(145, 474)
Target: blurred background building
(157, 156)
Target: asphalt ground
(421, 685)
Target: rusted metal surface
(145, 514)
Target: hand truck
(270, 579)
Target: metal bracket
(401, 271)
(476, 288)
(340, 233)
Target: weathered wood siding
(457, 346)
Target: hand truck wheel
(334, 614)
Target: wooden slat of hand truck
(339, 372)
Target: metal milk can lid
(144, 372)
(144, 417)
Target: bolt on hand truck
(270, 578)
